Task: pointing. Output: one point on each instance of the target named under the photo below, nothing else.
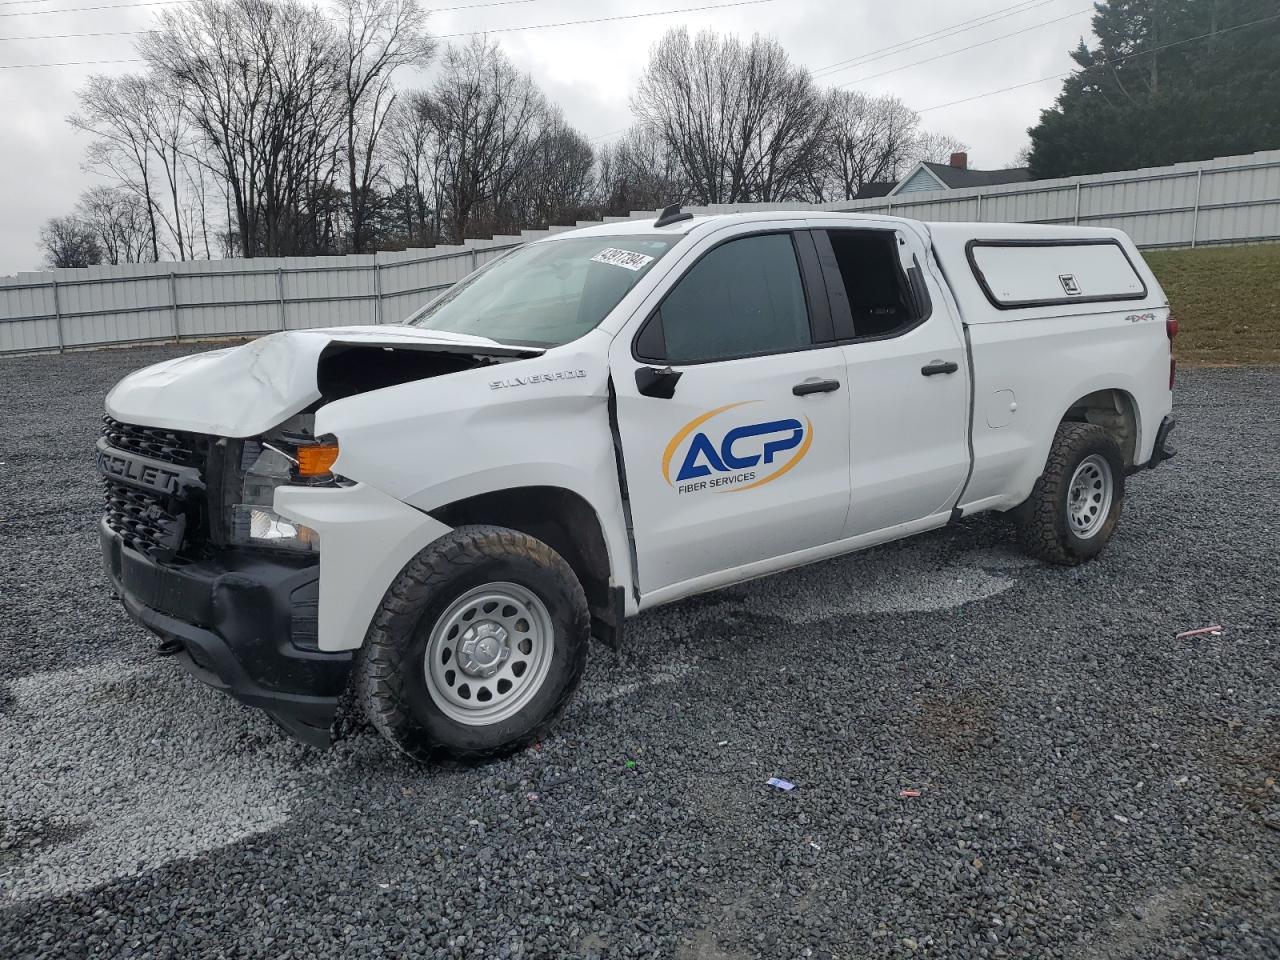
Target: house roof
(875, 189)
(957, 177)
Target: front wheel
(1075, 505)
(477, 647)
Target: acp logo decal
(723, 451)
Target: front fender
(366, 538)
(541, 421)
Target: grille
(153, 523)
(142, 521)
(171, 446)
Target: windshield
(545, 294)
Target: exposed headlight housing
(283, 457)
(263, 527)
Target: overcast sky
(589, 69)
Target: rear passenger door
(732, 412)
(908, 377)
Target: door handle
(939, 366)
(807, 387)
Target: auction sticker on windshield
(622, 258)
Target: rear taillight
(1171, 330)
(1171, 327)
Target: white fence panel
(1225, 200)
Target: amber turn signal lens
(316, 460)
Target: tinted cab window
(872, 281)
(744, 298)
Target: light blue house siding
(921, 181)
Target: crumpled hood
(244, 391)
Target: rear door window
(1036, 273)
(869, 278)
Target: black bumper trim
(234, 619)
(1163, 449)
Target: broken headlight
(283, 457)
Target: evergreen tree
(1167, 81)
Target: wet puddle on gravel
(911, 577)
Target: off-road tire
(1043, 527)
(389, 672)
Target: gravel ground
(1089, 785)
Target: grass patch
(1227, 301)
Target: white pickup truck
(438, 516)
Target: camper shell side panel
(1034, 361)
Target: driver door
(734, 414)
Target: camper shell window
(1041, 273)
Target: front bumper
(246, 625)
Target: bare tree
(165, 125)
(116, 111)
(868, 139)
(196, 210)
(118, 218)
(1020, 159)
(411, 169)
(293, 125)
(638, 172)
(144, 143)
(380, 36)
(785, 116)
(469, 161)
(69, 242)
(262, 83)
(555, 185)
(487, 118)
(936, 147)
(743, 122)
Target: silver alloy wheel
(489, 653)
(1089, 496)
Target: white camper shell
(435, 517)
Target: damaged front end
(197, 556)
(245, 391)
(197, 457)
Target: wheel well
(1114, 411)
(562, 520)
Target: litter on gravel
(1214, 631)
(781, 784)
(908, 794)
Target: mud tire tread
(1040, 519)
(381, 663)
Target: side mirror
(657, 383)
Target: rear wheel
(477, 647)
(1075, 505)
